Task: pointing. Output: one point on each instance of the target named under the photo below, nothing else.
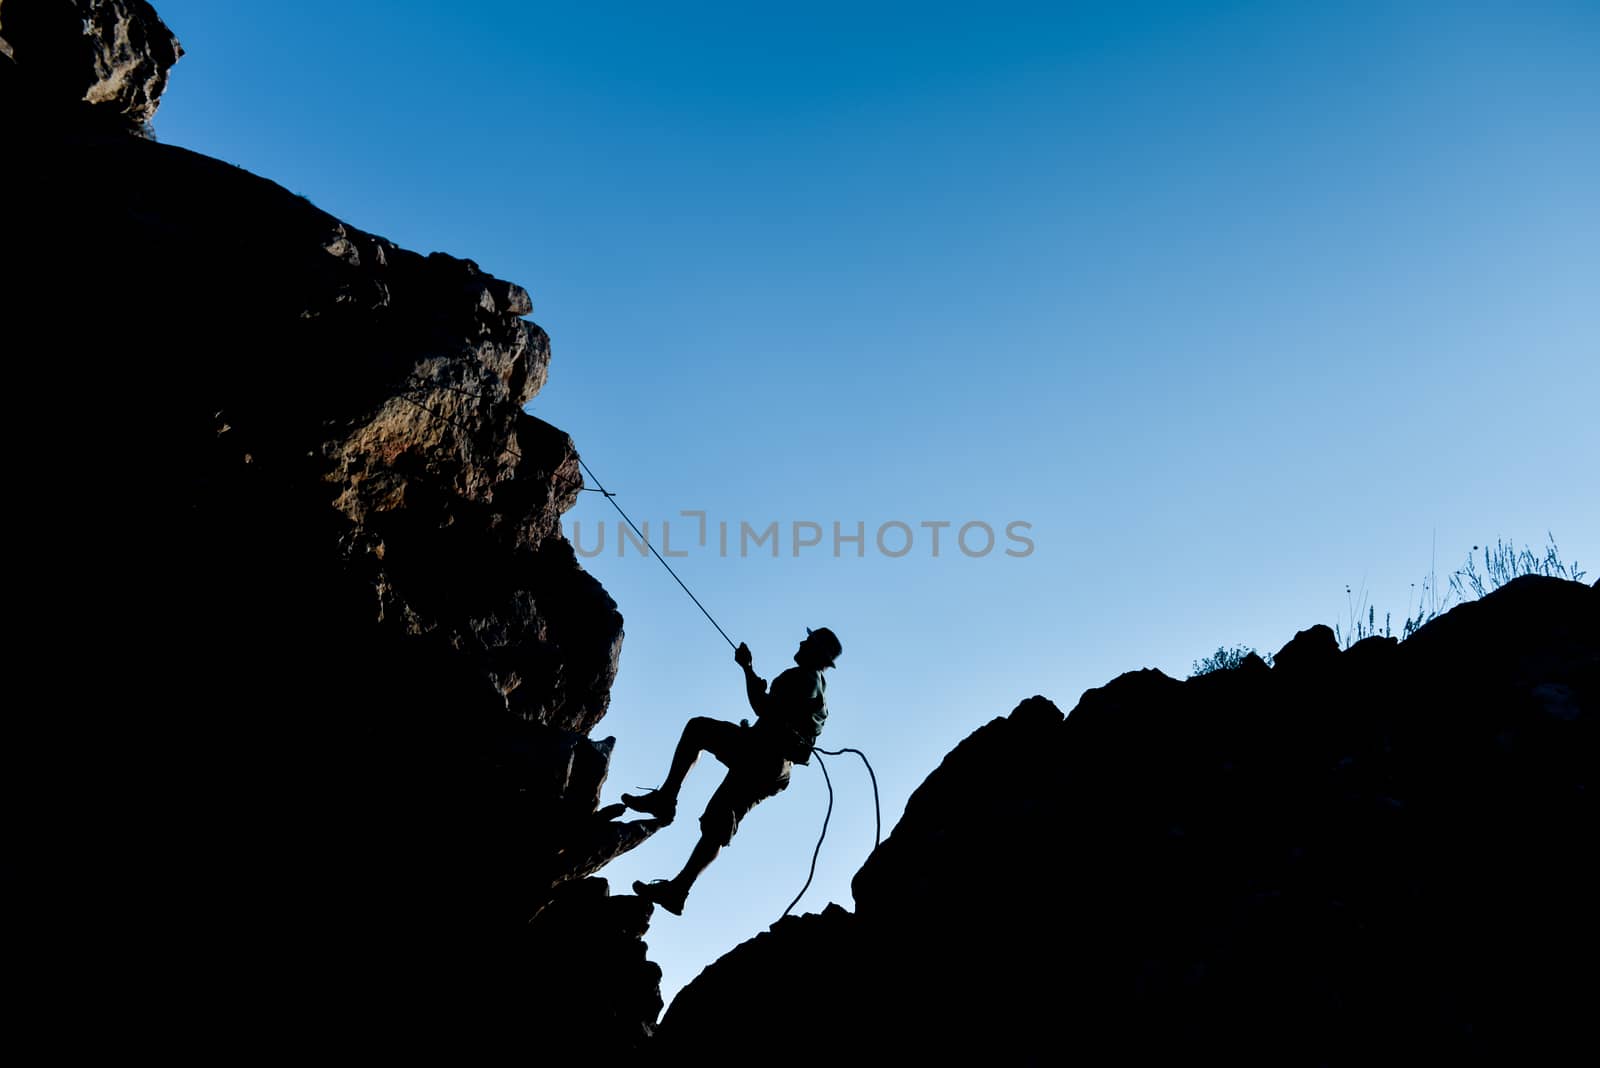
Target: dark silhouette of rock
(286, 506)
(1313, 649)
(1377, 855)
(588, 955)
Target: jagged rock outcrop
(96, 62)
(1376, 855)
(284, 496)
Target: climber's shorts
(755, 773)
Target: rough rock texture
(103, 62)
(285, 515)
(1378, 855)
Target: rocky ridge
(1377, 855)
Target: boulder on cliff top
(103, 62)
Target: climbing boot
(655, 803)
(664, 893)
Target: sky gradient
(1234, 304)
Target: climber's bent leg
(700, 734)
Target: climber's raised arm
(755, 687)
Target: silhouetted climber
(759, 758)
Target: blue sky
(1234, 304)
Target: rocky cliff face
(1377, 855)
(286, 496)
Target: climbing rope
(613, 499)
(815, 853)
(599, 488)
(877, 813)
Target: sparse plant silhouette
(1501, 563)
(1226, 658)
